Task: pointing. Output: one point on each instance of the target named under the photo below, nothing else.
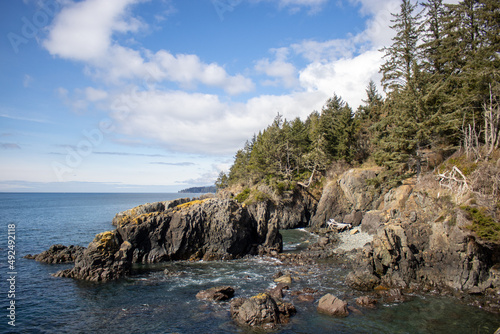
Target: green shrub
(243, 196)
(483, 224)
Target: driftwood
(332, 224)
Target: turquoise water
(161, 298)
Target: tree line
(441, 78)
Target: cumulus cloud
(83, 31)
(202, 123)
(347, 77)
(186, 120)
(283, 72)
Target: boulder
(305, 295)
(58, 254)
(331, 305)
(392, 295)
(332, 203)
(285, 279)
(219, 293)
(261, 311)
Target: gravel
(349, 242)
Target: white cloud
(296, 5)
(83, 30)
(283, 72)
(347, 77)
(94, 95)
(188, 70)
(202, 123)
(325, 51)
(186, 120)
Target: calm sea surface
(152, 301)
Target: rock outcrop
(58, 254)
(209, 229)
(421, 238)
(347, 197)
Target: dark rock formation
(106, 258)
(331, 305)
(209, 229)
(366, 301)
(292, 211)
(261, 311)
(217, 294)
(58, 254)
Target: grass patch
(250, 196)
(483, 224)
(466, 166)
(243, 196)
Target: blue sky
(156, 96)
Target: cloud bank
(188, 105)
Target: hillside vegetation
(440, 115)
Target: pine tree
(336, 123)
(367, 115)
(404, 131)
(403, 55)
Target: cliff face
(209, 229)
(420, 236)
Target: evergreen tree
(367, 115)
(403, 55)
(336, 122)
(405, 130)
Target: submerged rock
(219, 293)
(58, 254)
(366, 301)
(262, 311)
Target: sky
(157, 96)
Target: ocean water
(161, 298)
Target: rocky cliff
(421, 237)
(209, 229)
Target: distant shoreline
(199, 190)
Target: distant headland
(199, 190)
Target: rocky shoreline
(406, 239)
